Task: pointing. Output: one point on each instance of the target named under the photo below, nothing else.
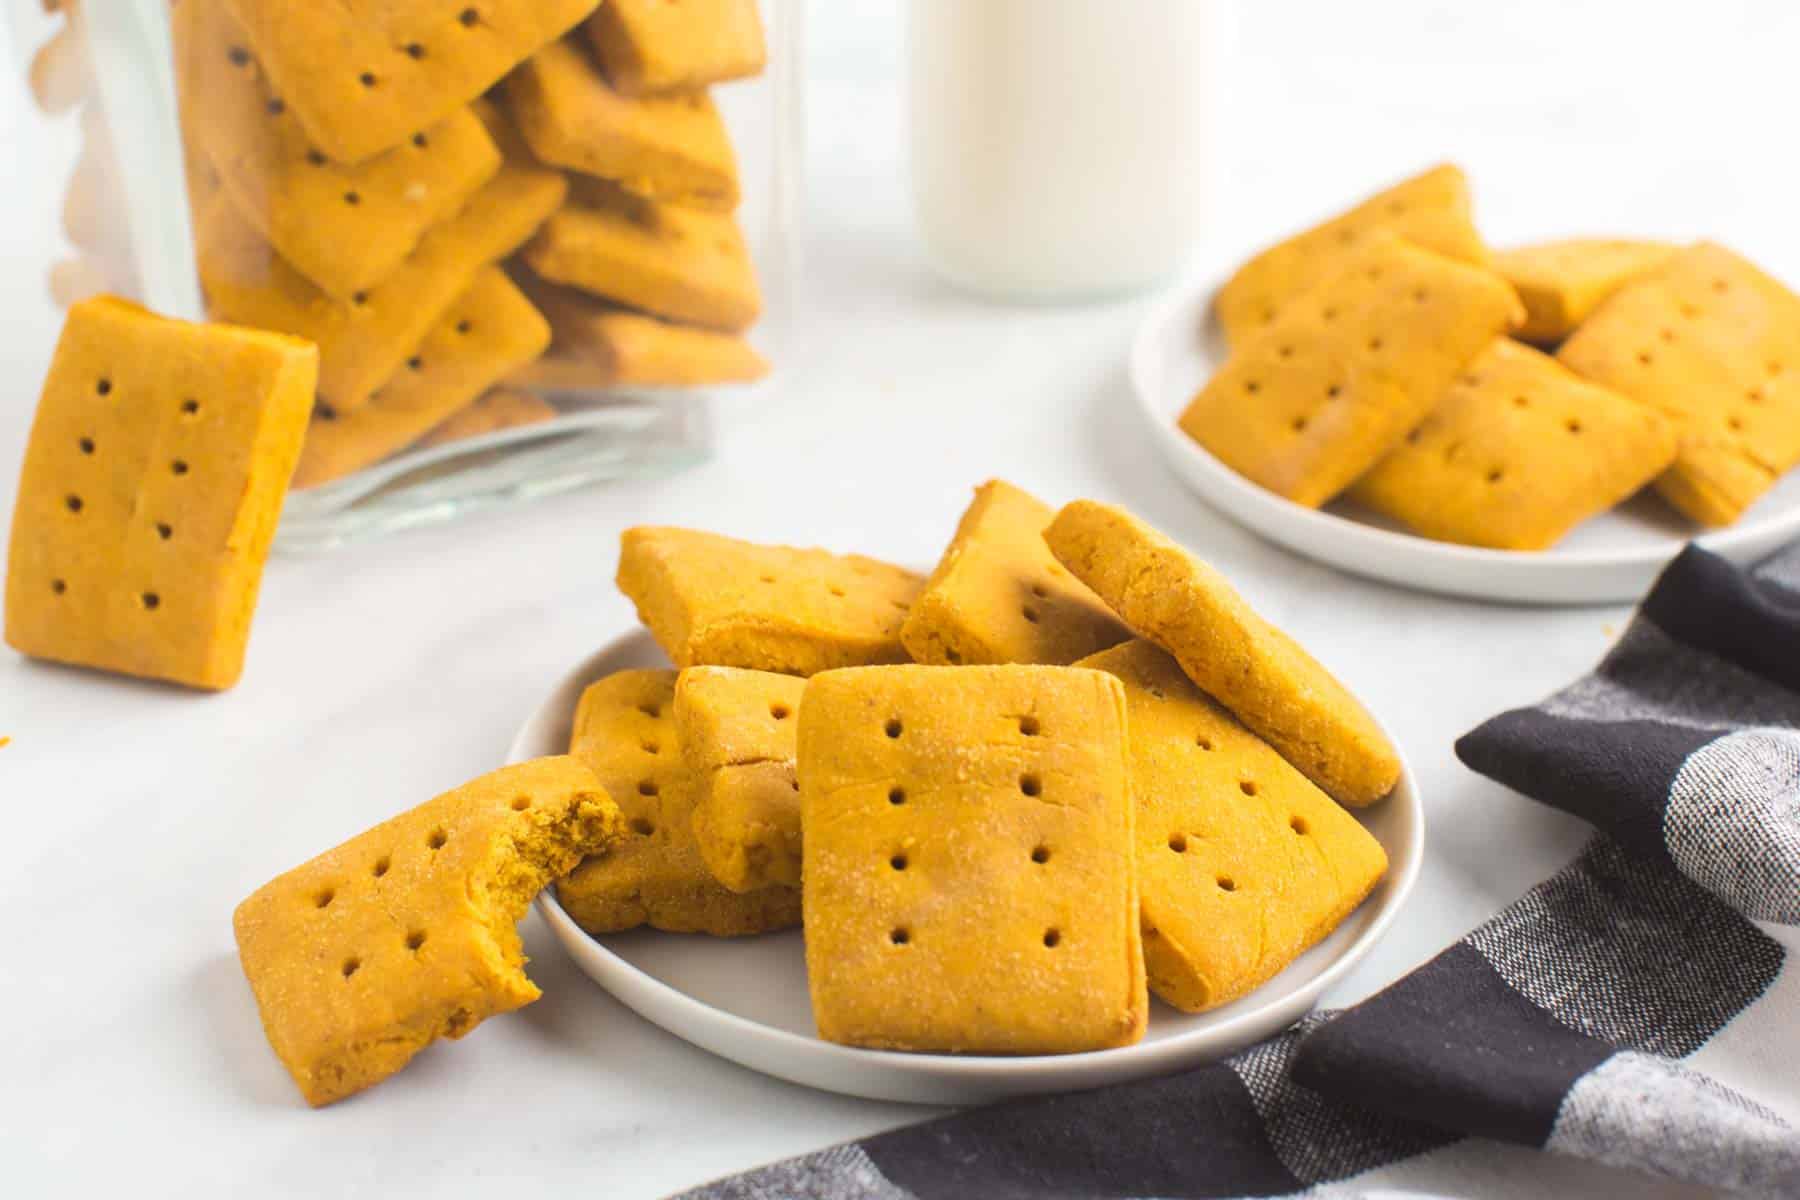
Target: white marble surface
(137, 816)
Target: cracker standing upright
(999, 596)
(970, 881)
(1334, 383)
(408, 933)
(153, 480)
(1519, 452)
(1171, 598)
(1714, 344)
(365, 75)
(737, 731)
(1242, 863)
(1431, 210)
(711, 600)
(625, 731)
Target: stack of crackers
(999, 799)
(1004, 802)
(1500, 399)
(463, 203)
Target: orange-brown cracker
(971, 882)
(152, 484)
(1173, 599)
(405, 934)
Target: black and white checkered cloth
(1627, 1011)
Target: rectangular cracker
(1714, 344)
(502, 408)
(625, 730)
(596, 343)
(1519, 451)
(970, 880)
(365, 75)
(649, 47)
(737, 731)
(1561, 283)
(152, 483)
(671, 148)
(1343, 374)
(1171, 598)
(491, 331)
(404, 934)
(1430, 210)
(674, 262)
(1242, 863)
(999, 596)
(364, 340)
(711, 600)
(345, 228)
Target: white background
(136, 816)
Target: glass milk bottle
(1062, 149)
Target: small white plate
(745, 999)
(1612, 558)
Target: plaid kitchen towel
(1635, 1009)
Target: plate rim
(1238, 498)
(923, 1069)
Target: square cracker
(152, 483)
(1713, 343)
(625, 730)
(999, 596)
(1519, 451)
(671, 148)
(1429, 210)
(1561, 283)
(1319, 396)
(711, 600)
(737, 731)
(365, 75)
(650, 46)
(1261, 674)
(345, 228)
(970, 881)
(502, 408)
(370, 952)
(491, 331)
(596, 343)
(364, 340)
(1242, 863)
(674, 262)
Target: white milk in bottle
(1061, 149)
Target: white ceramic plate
(1612, 558)
(745, 999)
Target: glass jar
(535, 240)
